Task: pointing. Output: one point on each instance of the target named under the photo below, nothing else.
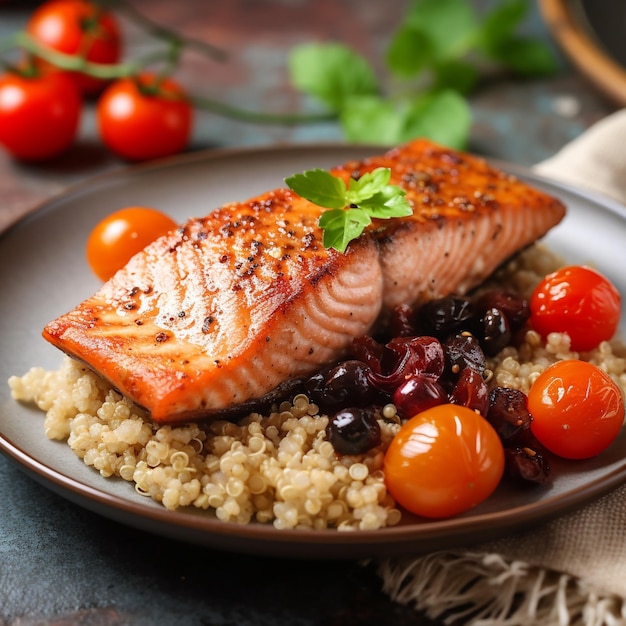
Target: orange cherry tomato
(443, 461)
(577, 410)
(119, 236)
(78, 27)
(578, 301)
(144, 118)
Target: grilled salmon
(230, 306)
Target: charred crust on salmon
(231, 307)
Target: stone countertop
(63, 565)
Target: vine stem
(243, 115)
(69, 62)
(161, 32)
(74, 63)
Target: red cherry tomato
(578, 301)
(121, 235)
(443, 461)
(78, 27)
(144, 118)
(39, 115)
(577, 410)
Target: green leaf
(320, 187)
(455, 74)
(342, 226)
(370, 119)
(443, 117)
(527, 56)
(331, 72)
(368, 185)
(451, 25)
(409, 52)
(499, 25)
(389, 202)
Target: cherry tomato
(443, 461)
(578, 301)
(577, 410)
(144, 118)
(39, 115)
(121, 235)
(78, 27)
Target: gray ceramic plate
(43, 273)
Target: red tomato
(121, 235)
(577, 410)
(578, 301)
(144, 118)
(443, 461)
(78, 27)
(39, 115)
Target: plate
(43, 274)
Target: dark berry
(493, 331)
(341, 385)
(515, 308)
(353, 431)
(445, 316)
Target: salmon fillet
(224, 309)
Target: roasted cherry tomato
(81, 28)
(578, 301)
(39, 115)
(443, 461)
(577, 410)
(121, 235)
(144, 117)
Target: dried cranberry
(508, 414)
(399, 359)
(526, 465)
(471, 391)
(416, 394)
(463, 351)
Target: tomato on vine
(577, 410)
(144, 117)
(119, 236)
(443, 461)
(579, 301)
(39, 115)
(81, 28)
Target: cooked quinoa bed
(277, 468)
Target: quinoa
(277, 468)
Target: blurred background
(521, 120)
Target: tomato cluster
(139, 117)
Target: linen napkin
(571, 570)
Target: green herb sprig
(351, 208)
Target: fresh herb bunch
(435, 58)
(351, 207)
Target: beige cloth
(571, 570)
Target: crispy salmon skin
(227, 307)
